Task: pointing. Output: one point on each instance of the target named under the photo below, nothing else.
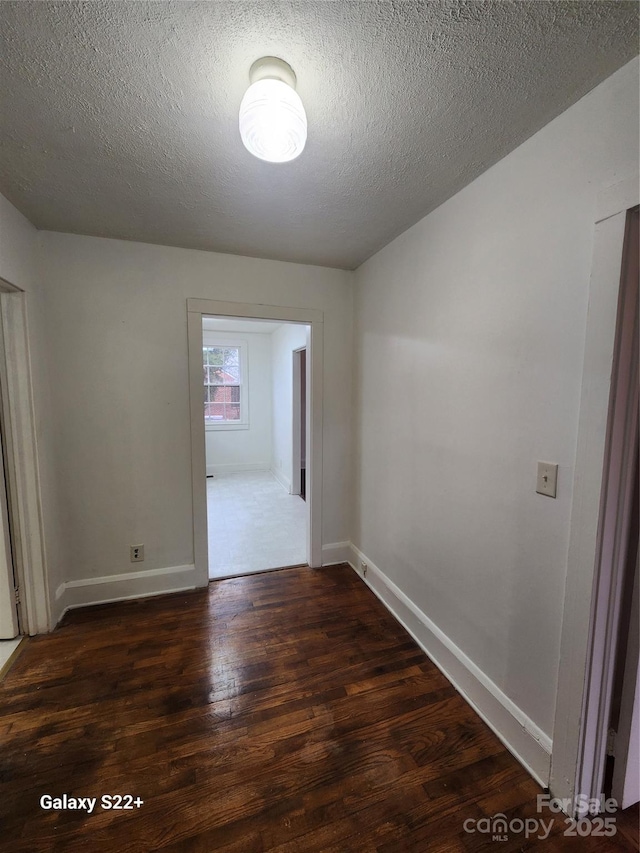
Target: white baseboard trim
(336, 552)
(235, 467)
(521, 736)
(280, 477)
(103, 590)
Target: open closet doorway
(246, 517)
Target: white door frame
(23, 482)
(587, 650)
(9, 627)
(196, 310)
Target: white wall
(229, 450)
(284, 341)
(470, 332)
(117, 357)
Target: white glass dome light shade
(273, 123)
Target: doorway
(602, 540)
(295, 329)
(256, 520)
(22, 546)
(622, 775)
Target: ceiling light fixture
(273, 123)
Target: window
(225, 404)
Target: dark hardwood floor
(279, 712)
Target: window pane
(212, 355)
(231, 356)
(222, 384)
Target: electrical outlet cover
(136, 553)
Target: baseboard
(10, 651)
(109, 588)
(336, 552)
(235, 467)
(280, 477)
(521, 736)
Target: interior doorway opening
(314, 320)
(255, 415)
(602, 558)
(24, 601)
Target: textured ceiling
(119, 119)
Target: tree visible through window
(222, 384)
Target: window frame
(219, 339)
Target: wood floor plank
(278, 713)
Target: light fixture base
(270, 67)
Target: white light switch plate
(547, 479)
